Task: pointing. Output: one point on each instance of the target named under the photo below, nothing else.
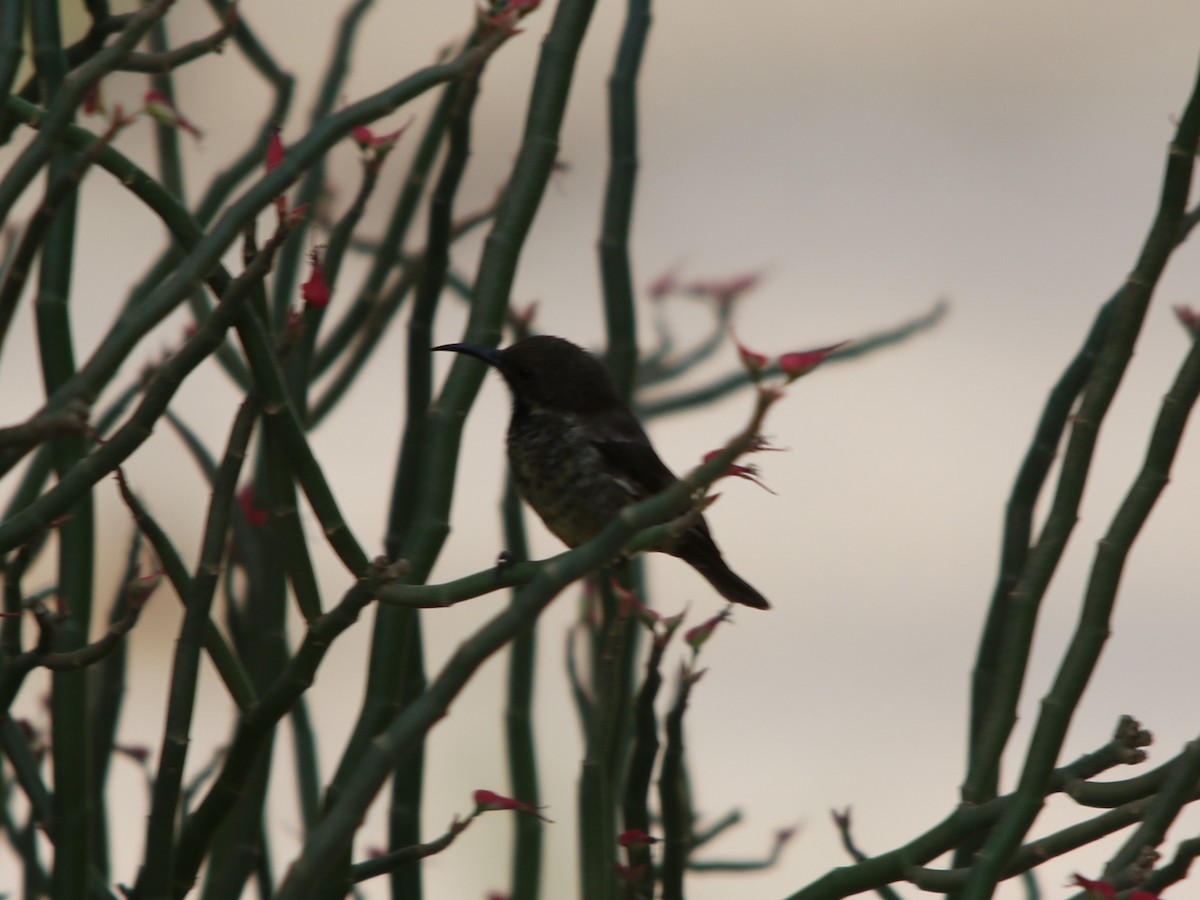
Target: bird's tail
(705, 558)
(733, 587)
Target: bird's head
(548, 372)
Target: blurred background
(867, 159)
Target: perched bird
(578, 455)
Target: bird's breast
(559, 472)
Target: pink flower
(487, 801)
(635, 838)
(254, 515)
(315, 291)
(697, 637)
(158, 107)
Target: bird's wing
(628, 454)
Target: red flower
(158, 107)
(315, 291)
(1143, 895)
(255, 515)
(797, 365)
(697, 637)
(487, 801)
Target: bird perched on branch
(578, 455)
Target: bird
(578, 454)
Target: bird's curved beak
(489, 355)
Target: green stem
(518, 723)
(332, 85)
(1077, 665)
(982, 779)
(674, 797)
(615, 269)
(229, 668)
(154, 881)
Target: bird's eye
(524, 373)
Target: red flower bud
(749, 473)
(1098, 890)
(1189, 318)
(664, 284)
(93, 101)
(315, 291)
(797, 365)
(487, 801)
(275, 151)
(252, 512)
(635, 838)
(374, 145)
(139, 589)
(725, 291)
(752, 362)
(158, 107)
(697, 637)
(139, 753)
